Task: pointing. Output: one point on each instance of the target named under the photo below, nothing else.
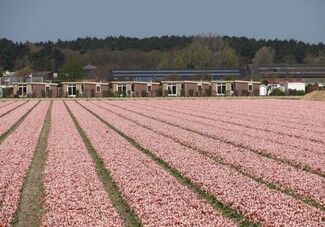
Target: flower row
(304, 184)
(156, 197)
(298, 135)
(74, 196)
(7, 121)
(8, 106)
(17, 152)
(297, 156)
(243, 194)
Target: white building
(299, 86)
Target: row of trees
(202, 51)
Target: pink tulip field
(165, 162)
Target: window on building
(72, 88)
(47, 88)
(22, 90)
(98, 88)
(172, 91)
(149, 88)
(199, 87)
(221, 88)
(250, 87)
(121, 88)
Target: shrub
(166, 92)
(129, 93)
(50, 94)
(43, 94)
(158, 92)
(244, 93)
(182, 92)
(277, 92)
(77, 93)
(208, 92)
(105, 93)
(300, 93)
(144, 93)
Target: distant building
(136, 89)
(90, 71)
(308, 73)
(178, 74)
(185, 88)
(83, 89)
(35, 89)
(235, 88)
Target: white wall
(295, 86)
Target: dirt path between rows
(29, 210)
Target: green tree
(196, 55)
(227, 58)
(264, 55)
(71, 71)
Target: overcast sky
(43, 20)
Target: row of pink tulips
(7, 121)
(74, 194)
(297, 156)
(156, 197)
(16, 154)
(273, 112)
(7, 106)
(256, 201)
(279, 131)
(304, 184)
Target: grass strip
(224, 209)
(13, 128)
(121, 205)
(29, 211)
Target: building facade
(35, 89)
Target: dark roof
(158, 75)
(287, 71)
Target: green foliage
(105, 93)
(47, 59)
(71, 71)
(50, 93)
(294, 92)
(244, 93)
(203, 51)
(182, 92)
(208, 92)
(43, 94)
(158, 92)
(24, 72)
(144, 93)
(277, 92)
(264, 55)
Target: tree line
(201, 51)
